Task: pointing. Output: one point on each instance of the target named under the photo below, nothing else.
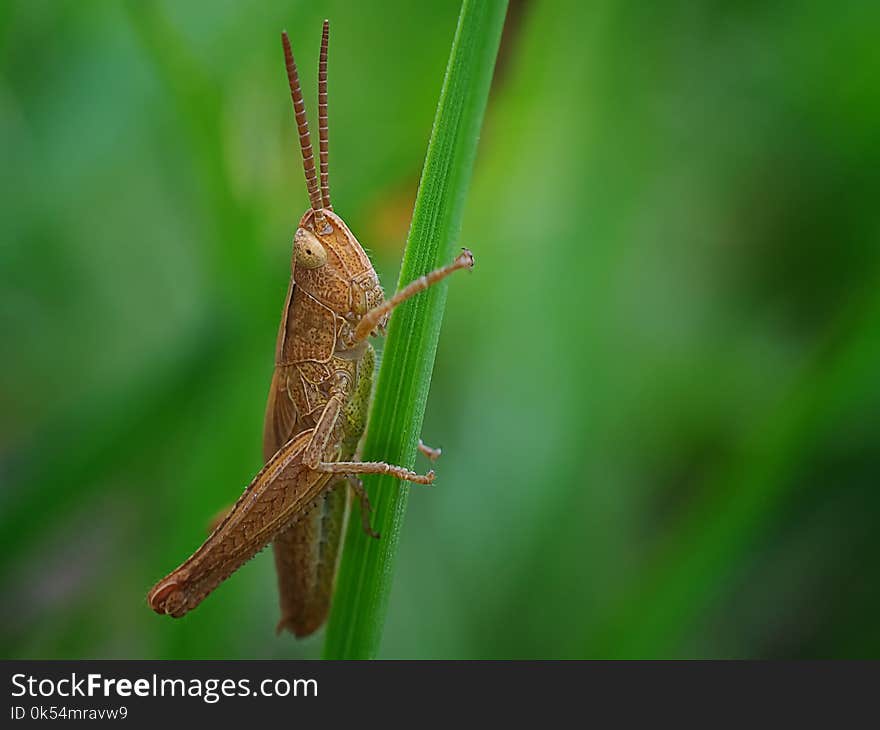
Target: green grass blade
(364, 580)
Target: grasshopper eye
(308, 250)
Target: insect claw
(366, 523)
(431, 453)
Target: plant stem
(359, 605)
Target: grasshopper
(317, 408)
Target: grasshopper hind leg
(357, 487)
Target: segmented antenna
(305, 140)
(323, 130)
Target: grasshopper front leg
(369, 322)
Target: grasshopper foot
(432, 453)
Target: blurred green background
(658, 394)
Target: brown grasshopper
(317, 409)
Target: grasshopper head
(328, 262)
(331, 266)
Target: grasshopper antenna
(305, 140)
(323, 129)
